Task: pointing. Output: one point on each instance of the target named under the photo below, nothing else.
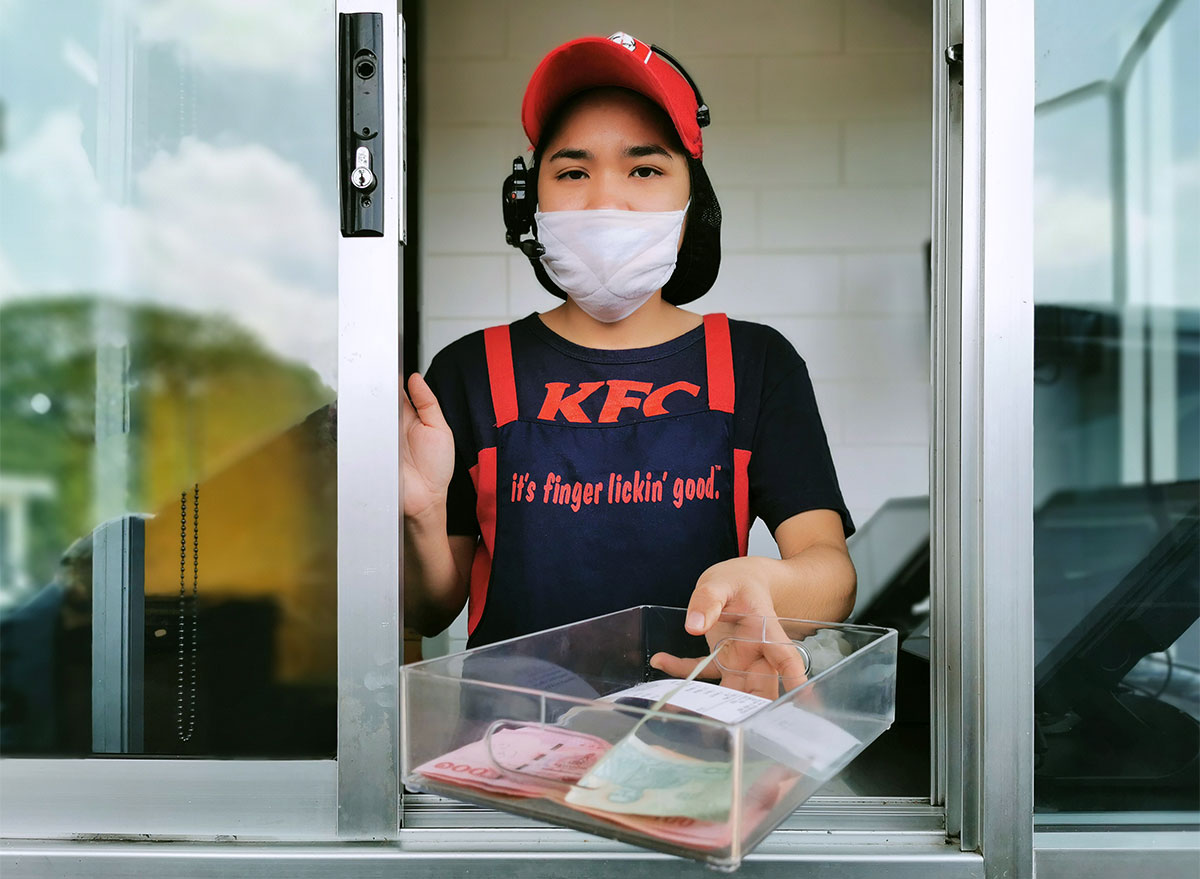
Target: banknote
(678, 829)
(529, 762)
(520, 761)
(470, 766)
(642, 779)
(546, 752)
(695, 833)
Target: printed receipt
(787, 733)
(719, 703)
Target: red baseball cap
(619, 60)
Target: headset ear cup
(508, 209)
(518, 197)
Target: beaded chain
(185, 720)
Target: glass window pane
(168, 310)
(1117, 408)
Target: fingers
(408, 415)
(424, 402)
(758, 685)
(788, 662)
(681, 668)
(783, 655)
(406, 407)
(704, 609)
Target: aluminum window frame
(1106, 845)
(355, 795)
(991, 673)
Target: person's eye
(645, 172)
(573, 174)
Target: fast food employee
(614, 451)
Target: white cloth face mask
(609, 261)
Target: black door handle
(360, 99)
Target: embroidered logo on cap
(625, 40)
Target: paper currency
(662, 779)
(470, 767)
(641, 779)
(519, 761)
(689, 800)
(677, 829)
(695, 833)
(546, 752)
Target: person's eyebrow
(630, 152)
(572, 153)
(646, 149)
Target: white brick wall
(819, 152)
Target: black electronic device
(1098, 738)
(518, 198)
(1145, 611)
(1117, 579)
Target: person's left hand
(759, 653)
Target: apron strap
(498, 346)
(719, 355)
(719, 352)
(741, 498)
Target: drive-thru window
(228, 231)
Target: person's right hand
(428, 448)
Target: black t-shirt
(775, 415)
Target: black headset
(518, 196)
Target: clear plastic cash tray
(575, 727)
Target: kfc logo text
(565, 399)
